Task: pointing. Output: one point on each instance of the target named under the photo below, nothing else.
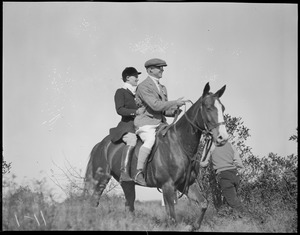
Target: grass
(27, 209)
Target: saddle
(132, 164)
(161, 130)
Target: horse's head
(212, 114)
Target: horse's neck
(188, 136)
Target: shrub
(269, 187)
(24, 209)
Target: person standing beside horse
(152, 98)
(225, 161)
(126, 107)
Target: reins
(191, 122)
(208, 142)
(207, 145)
(172, 124)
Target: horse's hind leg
(129, 191)
(101, 180)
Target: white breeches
(147, 134)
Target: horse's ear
(206, 89)
(220, 92)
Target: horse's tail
(88, 178)
(97, 170)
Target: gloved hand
(140, 110)
(204, 164)
(177, 111)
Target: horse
(172, 166)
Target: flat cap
(155, 62)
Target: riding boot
(125, 163)
(143, 154)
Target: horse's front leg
(195, 195)
(169, 195)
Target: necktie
(160, 87)
(163, 96)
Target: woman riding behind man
(126, 107)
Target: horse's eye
(210, 107)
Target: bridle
(205, 130)
(207, 134)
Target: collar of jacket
(156, 82)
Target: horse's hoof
(190, 228)
(129, 210)
(194, 227)
(94, 203)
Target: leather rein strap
(177, 112)
(208, 143)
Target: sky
(62, 63)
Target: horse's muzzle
(220, 143)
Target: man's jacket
(154, 102)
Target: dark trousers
(229, 181)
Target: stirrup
(139, 182)
(139, 172)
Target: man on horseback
(126, 107)
(152, 99)
(173, 166)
